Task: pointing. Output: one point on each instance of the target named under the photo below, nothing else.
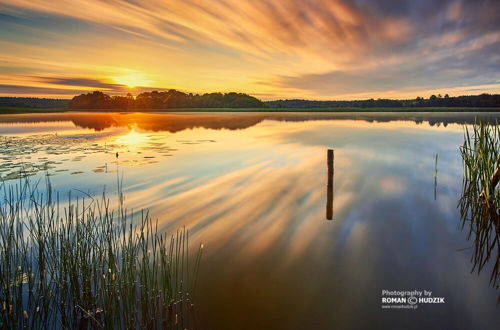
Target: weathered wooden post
(329, 199)
(435, 177)
(330, 167)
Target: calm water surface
(252, 188)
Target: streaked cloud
(59, 85)
(34, 90)
(75, 81)
(288, 48)
(474, 67)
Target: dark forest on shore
(473, 101)
(173, 99)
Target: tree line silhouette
(164, 100)
(176, 99)
(475, 101)
(32, 102)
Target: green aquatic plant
(480, 201)
(83, 265)
(29, 155)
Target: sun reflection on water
(133, 138)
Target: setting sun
(133, 80)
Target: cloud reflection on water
(256, 197)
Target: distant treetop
(32, 102)
(476, 101)
(164, 100)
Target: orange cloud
(240, 45)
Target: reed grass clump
(83, 265)
(480, 201)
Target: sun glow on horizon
(132, 80)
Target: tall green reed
(480, 201)
(85, 265)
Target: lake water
(253, 188)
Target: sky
(271, 49)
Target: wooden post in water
(330, 167)
(329, 200)
(435, 177)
